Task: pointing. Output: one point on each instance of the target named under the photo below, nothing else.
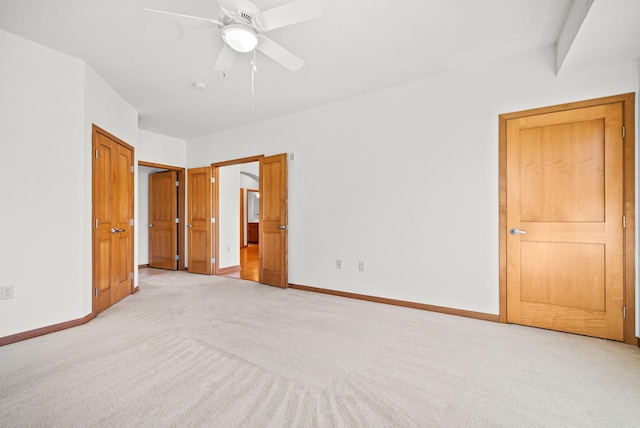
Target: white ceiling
(356, 46)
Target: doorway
(239, 210)
(273, 228)
(161, 213)
(567, 211)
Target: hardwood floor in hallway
(249, 262)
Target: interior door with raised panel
(199, 218)
(112, 187)
(564, 209)
(163, 218)
(273, 221)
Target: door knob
(150, 225)
(189, 225)
(282, 226)
(116, 230)
(516, 231)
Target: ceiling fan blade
(279, 54)
(229, 6)
(225, 59)
(288, 14)
(212, 21)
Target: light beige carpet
(191, 350)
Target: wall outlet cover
(7, 292)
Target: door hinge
(177, 257)
(96, 154)
(96, 223)
(624, 312)
(177, 220)
(130, 222)
(177, 184)
(95, 292)
(213, 179)
(132, 170)
(213, 219)
(131, 275)
(624, 221)
(624, 131)
(213, 260)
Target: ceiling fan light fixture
(239, 37)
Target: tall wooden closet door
(112, 219)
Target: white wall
(161, 149)
(105, 108)
(247, 182)
(437, 138)
(229, 216)
(42, 178)
(47, 104)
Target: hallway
(249, 262)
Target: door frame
(628, 121)
(216, 204)
(181, 206)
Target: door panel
(578, 163)
(199, 230)
(163, 211)
(112, 212)
(564, 188)
(563, 274)
(123, 214)
(102, 213)
(273, 221)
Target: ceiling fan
(243, 23)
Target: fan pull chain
(253, 73)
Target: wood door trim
(96, 129)
(182, 207)
(421, 306)
(628, 120)
(242, 189)
(238, 161)
(229, 269)
(215, 173)
(19, 337)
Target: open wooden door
(163, 220)
(273, 221)
(199, 220)
(112, 187)
(565, 220)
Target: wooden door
(113, 219)
(163, 218)
(199, 220)
(273, 220)
(565, 190)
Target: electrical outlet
(7, 292)
(338, 264)
(361, 266)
